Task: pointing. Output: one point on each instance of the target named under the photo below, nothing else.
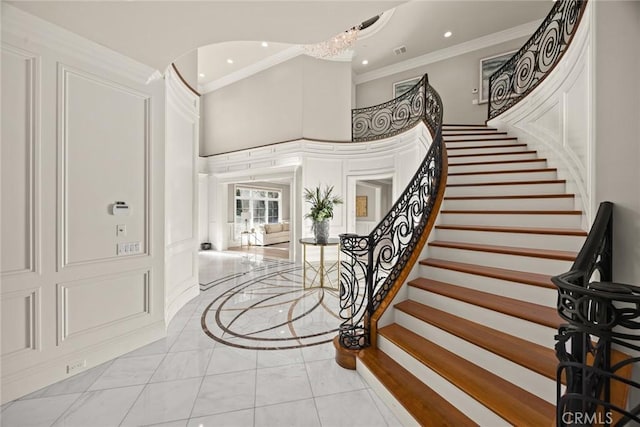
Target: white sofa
(269, 234)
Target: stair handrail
(601, 319)
(535, 60)
(375, 265)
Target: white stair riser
(511, 262)
(491, 167)
(536, 241)
(519, 291)
(521, 328)
(537, 384)
(505, 190)
(543, 204)
(484, 150)
(515, 220)
(472, 128)
(496, 158)
(475, 141)
(378, 388)
(471, 407)
(501, 177)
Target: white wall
(301, 98)
(556, 119)
(181, 195)
(80, 130)
(617, 115)
(454, 78)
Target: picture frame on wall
(488, 66)
(403, 86)
(361, 206)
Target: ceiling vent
(400, 50)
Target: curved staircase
(473, 343)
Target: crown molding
(449, 52)
(21, 25)
(252, 69)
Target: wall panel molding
(106, 302)
(65, 74)
(30, 319)
(32, 239)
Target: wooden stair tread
(533, 279)
(491, 154)
(425, 405)
(479, 147)
(512, 212)
(525, 353)
(535, 313)
(510, 402)
(482, 184)
(518, 196)
(508, 250)
(472, 132)
(503, 172)
(468, 125)
(524, 230)
(496, 162)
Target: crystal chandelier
(334, 46)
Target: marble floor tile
(192, 340)
(179, 423)
(282, 384)
(100, 408)
(181, 365)
(231, 359)
(39, 412)
(327, 377)
(243, 418)
(386, 412)
(290, 414)
(318, 352)
(163, 402)
(269, 359)
(225, 393)
(75, 384)
(128, 371)
(350, 409)
(160, 346)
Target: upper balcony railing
(374, 264)
(390, 118)
(530, 65)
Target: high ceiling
(158, 32)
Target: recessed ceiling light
(201, 74)
(265, 44)
(365, 62)
(229, 61)
(448, 34)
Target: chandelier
(334, 46)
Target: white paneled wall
(307, 164)
(557, 119)
(181, 194)
(81, 129)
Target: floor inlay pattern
(267, 308)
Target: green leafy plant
(322, 203)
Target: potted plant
(322, 203)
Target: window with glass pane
(273, 211)
(259, 211)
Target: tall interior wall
(300, 98)
(617, 118)
(81, 130)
